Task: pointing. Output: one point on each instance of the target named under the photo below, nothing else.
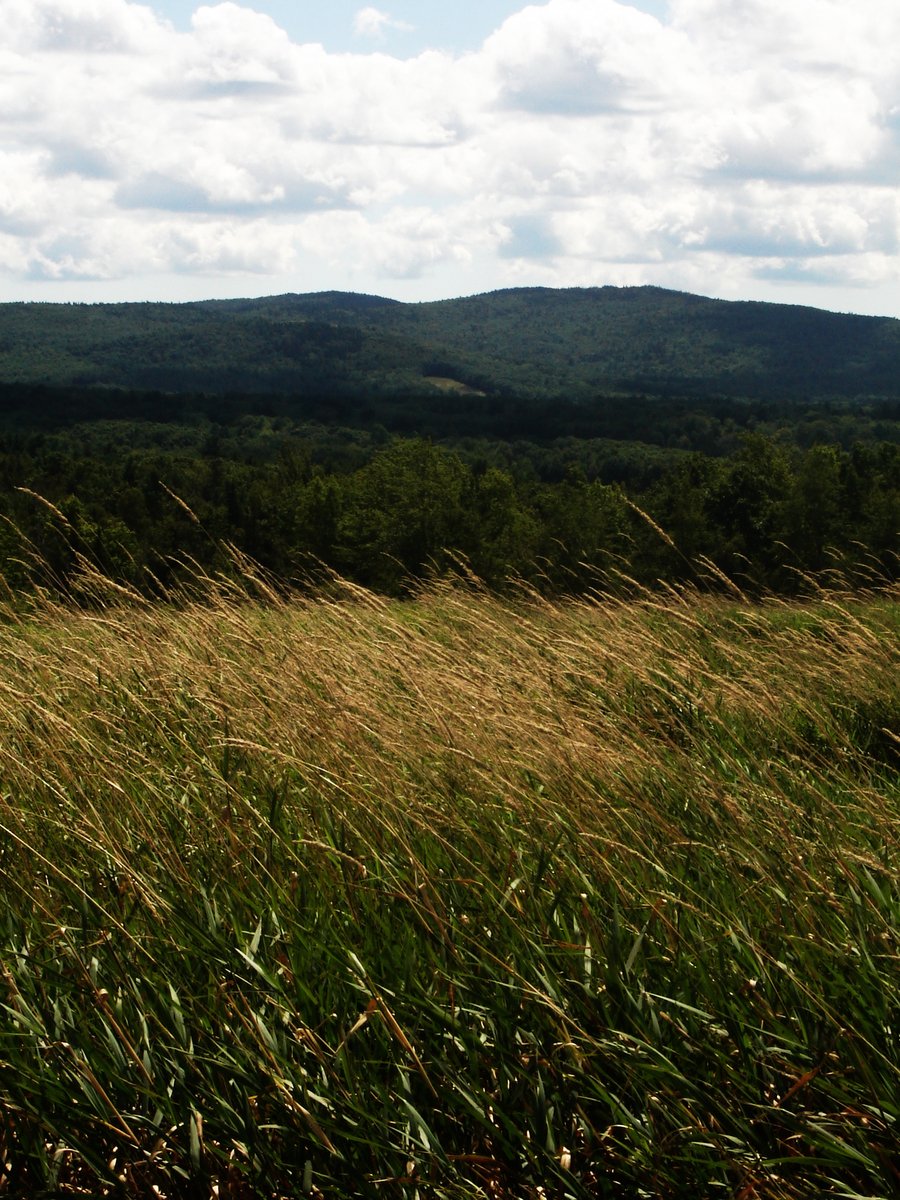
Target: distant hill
(530, 343)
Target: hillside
(529, 343)
(529, 431)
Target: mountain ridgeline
(553, 436)
(527, 343)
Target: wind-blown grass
(455, 897)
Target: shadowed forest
(521, 430)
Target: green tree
(404, 509)
(505, 534)
(815, 510)
(748, 505)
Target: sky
(748, 149)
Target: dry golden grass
(654, 831)
(456, 692)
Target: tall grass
(462, 896)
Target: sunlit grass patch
(462, 896)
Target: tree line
(765, 516)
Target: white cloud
(234, 45)
(589, 56)
(744, 141)
(83, 26)
(373, 23)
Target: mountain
(527, 343)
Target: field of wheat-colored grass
(457, 896)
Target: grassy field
(454, 897)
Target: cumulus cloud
(740, 142)
(589, 56)
(81, 26)
(373, 23)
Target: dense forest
(764, 514)
(570, 439)
(587, 344)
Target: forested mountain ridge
(532, 432)
(533, 343)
